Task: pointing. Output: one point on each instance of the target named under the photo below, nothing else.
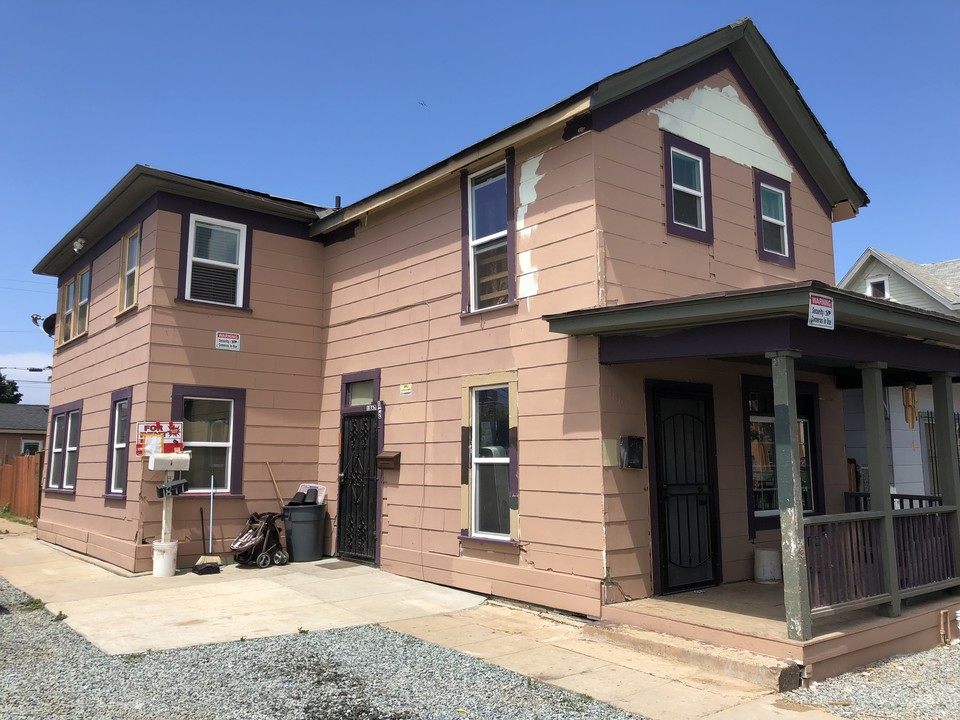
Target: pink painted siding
(627, 502)
(392, 299)
(165, 342)
(643, 262)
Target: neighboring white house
(931, 286)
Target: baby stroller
(259, 542)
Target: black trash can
(303, 526)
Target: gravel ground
(367, 673)
(906, 687)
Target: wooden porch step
(762, 670)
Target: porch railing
(845, 558)
(844, 562)
(924, 555)
(860, 501)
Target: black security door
(357, 503)
(685, 490)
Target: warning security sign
(820, 312)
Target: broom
(207, 564)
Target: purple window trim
(671, 141)
(466, 306)
(185, 260)
(237, 432)
(642, 100)
(253, 220)
(64, 411)
(115, 397)
(761, 177)
(348, 378)
(808, 401)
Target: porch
(856, 585)
(752, 616)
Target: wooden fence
(20, 486)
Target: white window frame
(56, 450)
(228, 463)
(873, 280)
(65, 420)
(129, 276)
(118, 469)
(491, 173)
(782, 223)
(24, 443)
(70, 483)
(239, 266)
(675, 186)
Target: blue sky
(311, 100)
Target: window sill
(481, 541)
(60, 491)
(512, 304)
(114, 496)
(72, 340)
(126, 311)
(699, 236)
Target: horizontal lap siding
(392, 299)
(112, 355)
(643, 262)
(278, 367)
(627, 501)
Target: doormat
(336, 565)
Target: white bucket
(164, 558)
(766, 566)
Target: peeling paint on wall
(528, 190)
(721, 121)
(527, 284)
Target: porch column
(947, 465)
(796, 594)
(872, 374)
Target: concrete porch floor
(750, 616)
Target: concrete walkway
(122, 613)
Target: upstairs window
(488, 234)
(877, 287)
(687, 181)
(129, 266)
(74, 304)
(216, 254)
(774, 219)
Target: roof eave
(850, 309)
(141, 183)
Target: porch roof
(747, 324)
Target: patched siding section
(392, 301)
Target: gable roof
(23, 418)
(140, 184)
(941, 281)
(763, 69)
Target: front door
(685, 487)
(357, 498)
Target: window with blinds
(216, 261)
